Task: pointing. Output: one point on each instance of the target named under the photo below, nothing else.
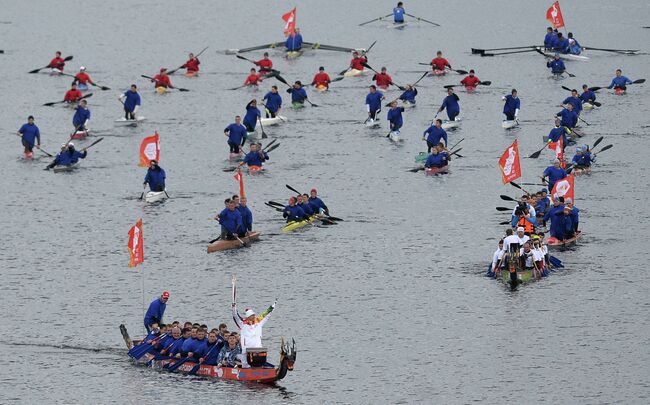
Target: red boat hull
(552, 242)
(432, 171)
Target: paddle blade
(566, 88)
(416, 169)
(605, 148)
(475, 51)
(182, 89)
(515, 185)
(51, 104)
(485, 83)
(599, 140)
(536, 154)
(507, 198)
(595, 88)
(461, 72)
(638, 81)
(104, 88)
(281, 79)
(68, 58)
(503, 209)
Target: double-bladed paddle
(171, 87)
(364, 64)
(482, 83)
(180, 67)
(66, 59)
(479, 50)
(505, 53)
(459, 71)
(281, 79)
(63, 101)
(596, 103)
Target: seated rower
(68, 157)
(321, 79)
(73, 95)
(172, 343)
(470, 81)
(293, 212)
(81, 116)
(497, 260)
(209, 353)
(246, 217)
(192, 64)
(83, 78)
(408, 96)
(357, 61)
(155, 177)
(298, 93)
(521, 236)
(294, 41)
(176, 350)
(438, 157)
(231, 221)
(303, 202)
(550, 40)
(398, 13)
(382, 79)
(583, 157)
(554, 173)
(265, 64)
(619, 81)
(162, 79)
(510, 239)
(574, 214)
(587, 95)
(531, 258)
(543, 202)
(253, 115)
(256, 156)
(195, 347)
(574, 45)
(556, 65)
(317, 204)
(439, 63)
(253, 78)
(574, 100)
(230, 354)
(569, 118)
(559, 132)
(562, 44)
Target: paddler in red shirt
(192, 65)
(382, 79)
(265, 64)
(321, 79)
(356, 62)
(82, 77)
(471, 80)
(72, 95)
(253, 78)
(162, 79)
(439, 63)
(57, 62)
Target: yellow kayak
(161, 90)
(293, 54)
(293, 225)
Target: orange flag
(564, 188)
(136, 244)
(509, 164)
(149, 150)
(554, 15)
(240, 178)
(289, 21)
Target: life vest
(529, 228)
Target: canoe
(266, 374)
(565, 56)
(82, 87)
(161, 90)
(579, 171)
(437, 72)
(450, 124)
(124, 122)
(293, 225)
(68, 168)
(509, 124)
(619, 91)
(395, 136)
(432, 171)
(554, 243)
(278, 119)
(407, 104)
(587, 106)
(372, 123)
(232, 244)
(354, 72)
(191, 74)
(155, 196)
(235, 156)
(80, 134)
(293, 54)
(296, 105)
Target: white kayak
(54, 72)
(565, 56)
(354, 72)
(587, 106)
(278, 119)
(124, 122)
(372, 123)
(395, 136)
(68, 168)
(406, 104)
(450, 124)
(155, 196)
(509, 124)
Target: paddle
(375, 19)
(531, 184)
(603, 149)
(478, 50)
(144, 187)
(583, 121)
(624, 51)
(66, 59)
(539, 152)
(505, 223)
(506, 53)
(92, 144)
(63, 101)
(47, 153)
(144, 347)
(364, 64)
(198, 365)
(503, 209)
(280, 78)
(178, 364)
(264, 136)
(485, 83)
(508, 198)
(180, 67)
(597, 142)
(171, 87)
(515, 185)
(274, 207)
(214, 240)
(100, 86)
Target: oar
(539, 152)
(624, 51)
(245, 58)
(457, 143)
(178, 364)
(375, 19)
(505, 223)
(478, 50)
(603, 149)
(293, 189)
(583, 121)
(63, 101)
(599, 140)
(100, 86)
(364, 64)
(272, 148)
(506, 53)
(180, 67)
(420, 79)
(143, 348)
(503, 209)
(198, 365)
(144, 187)
(171, 87)
(459, 71)
(272, 206)
(515, 185)
(264, 136)
(66, 59)
(93, 144)
(422, 19)
(508, 198)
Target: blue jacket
(583, 160)
(542, 205)
(273, 101)
(212, 351)
(394, 116)
(574, 214)
(132, 99)
(560, 224)
(30, 133)
(177, 346)
(557, 66)
(80, 116)
(198, 347)
(511, 104)
(588, 96)
(155, 312)
(619, 82)
(307, 208)
(318, 204)
(164, 342)
(251, 117)
(294, 213)
(437, 160)
(293, 42)
(297, 95)
(246, 217)
(254, 158)
(576, 102)
(562, 45)
(188, 345)
(155, 179)
(554, 174)
(409, 95)
(569, 118)
(66, 158)
(435, 134)
(575, 49)
(550, 40)
(398, 14)
(231, 220)
(236, 133)
(451, 104)
(557, 133)
(373, 101)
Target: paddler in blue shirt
(434, 134)
(398, 13)
(303, 202)
(298, 93)
(81, 116)
(409, 94)
(68, 157)
(230, 220)
(155, 177)
(246, 216)
(294, 41)
(562, 45)
(373, 102)
(156, 311)
(194, 346)
(575, 101)
(438, 157)
(554, 173)
(253, 114)
(30, 136)
(256, 156)
(394, 117)
(574, 45)
(583, 157)
(568, 116)
(236, 134)
(317, 204)
(587, 95)
(619, 81)
(558, 132)
(556, 65)
(550, 39)
(511, 105)
(293, 212)
(451, 104)
(131, 101)
(273, 102)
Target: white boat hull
(566, 56)
(354, 72)
(587, 106)
(507, 124)
(155, 196)
(450, 124)
(372, 123)
(395, 136)
(267, 122)
(123, 122)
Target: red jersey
(57, 63)
(72, 95)
(253, 79)
(440, 63)
(382, 80)
(83, 78)
(162, 80)
(321, 79)
(265, 65)
(192, 65)
(356, 63)
(470, 81)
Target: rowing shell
(124, 122)
(450, 124)
(155, 196)
(233, 244)
(555, 243)
(509, 124)
(565, 56)
(354, 72)
(68, 168)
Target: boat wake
(100, 349)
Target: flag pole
(143, 313)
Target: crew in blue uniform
(317, 204)
(556, 65)
(155, 177)
(273, 102)
(562, 45)
(236, 134)
(293, 212)
(68, 156)
(559, 132)
(587, 95)
(156, 311)
(294, 41)
(81, 116)
(511, 105)
(298, 93)
(394, 117)
(256, 156)
(575, 101)
(574, 47)
(246, 216)
(131, 101)
(451, 104)
(30, 136)
(550, 40)
(398, 13)
(438, 157)
(583, 157)
(253, 114)
(230, 220)
(303, 202)
(373, 102)
(409, 94)
(554, 173)
(434, 134)
(619, 81)
(568, 116)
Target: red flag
(136, 244)
(149, 150)
(509, 164)
(564, 188)
(558, 148)
(554, 15)
(289, 21)
(240, 178)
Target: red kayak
(79, 135)
(438, 72)
(432, 171)
(619, 91)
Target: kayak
(293, 225)
(68, 168)
(619, 91)
(155, 196)
(321, 88)
(553, 242)
(565, 56)
(80, 134)
(509, 124)
(395, 136)
(432, 171)
(372, 123)
(124, 122)
(54, 72)
(82, 87)
(28, 155)
(296, 105)
(470, 89)
(408, 104)
(354, 72)
(278, 119)
(255, 169)
(579, 171)
(191, 74)
(235, 156)
(161, 90)
(232, 244)
(587, 106)
(293, 54)
(450, 124)
(437, 72)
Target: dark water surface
(391, 304)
